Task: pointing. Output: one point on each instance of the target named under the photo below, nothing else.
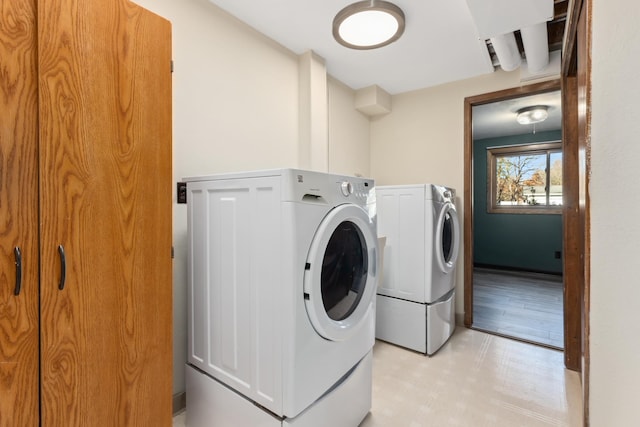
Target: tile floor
(476, 380)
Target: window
(525, 179)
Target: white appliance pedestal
(420, 327)
(211, 403)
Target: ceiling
(440, 44)
(499, 118)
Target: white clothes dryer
(416, 297)
(281, 285)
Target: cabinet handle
(63, 267)
(18, 254)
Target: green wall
(526, 242)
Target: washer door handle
(374, 256)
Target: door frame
(576, 78)
(571, 317)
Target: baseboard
(179, 402)
(515, 270)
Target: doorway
(469, 220)
(517, 212)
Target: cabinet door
(18, 215)
(105, 184)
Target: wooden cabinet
(19, 314)
(85, 195)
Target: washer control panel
(359, 189)
(347, 188)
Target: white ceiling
(499, 118)
(439, 45)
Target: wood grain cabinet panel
(19, 315)
(86, 194)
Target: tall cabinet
(85, 214)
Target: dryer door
(340, 273)
(447, 238)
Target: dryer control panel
(318, 187)
(357, 191)
(346, 187)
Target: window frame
(493, 153)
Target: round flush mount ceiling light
(531, 115)
(368, 24)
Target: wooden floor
(521, 305)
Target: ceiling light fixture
(368, 24)
(531, 115)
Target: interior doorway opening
(525, 292)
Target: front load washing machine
(281, 285)
(416, 297)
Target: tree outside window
(525, 178)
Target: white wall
(615, 207)
(235, 98)
(235, 107)
(422, 141)
(348, 132)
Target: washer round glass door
(447, 238)
(340, 274)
